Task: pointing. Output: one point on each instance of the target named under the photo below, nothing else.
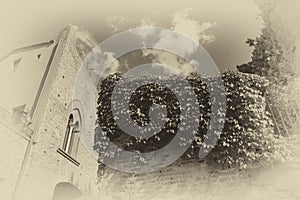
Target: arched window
(72, 136)
(71, 140)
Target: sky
(230, 22)
(221, 27)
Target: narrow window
(38, 56)
(71, 140)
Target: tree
(267, 58)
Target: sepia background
(222, 27)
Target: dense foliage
(271, 62)
(247, 136)
(267, 58)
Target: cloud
(102, 63)
(144, 35)
(200, 32)
(146, 23)
(181, 22)
(117, 23)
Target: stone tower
(49, 160)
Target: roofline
(29, 47)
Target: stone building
(42, 156)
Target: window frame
(70, 144)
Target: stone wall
(45, 166)
(193, 180)
(181, 180)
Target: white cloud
(146, 23)
(181, 22)
(102, 63)
(117, 23)
(200, 32)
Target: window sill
(67, 156)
